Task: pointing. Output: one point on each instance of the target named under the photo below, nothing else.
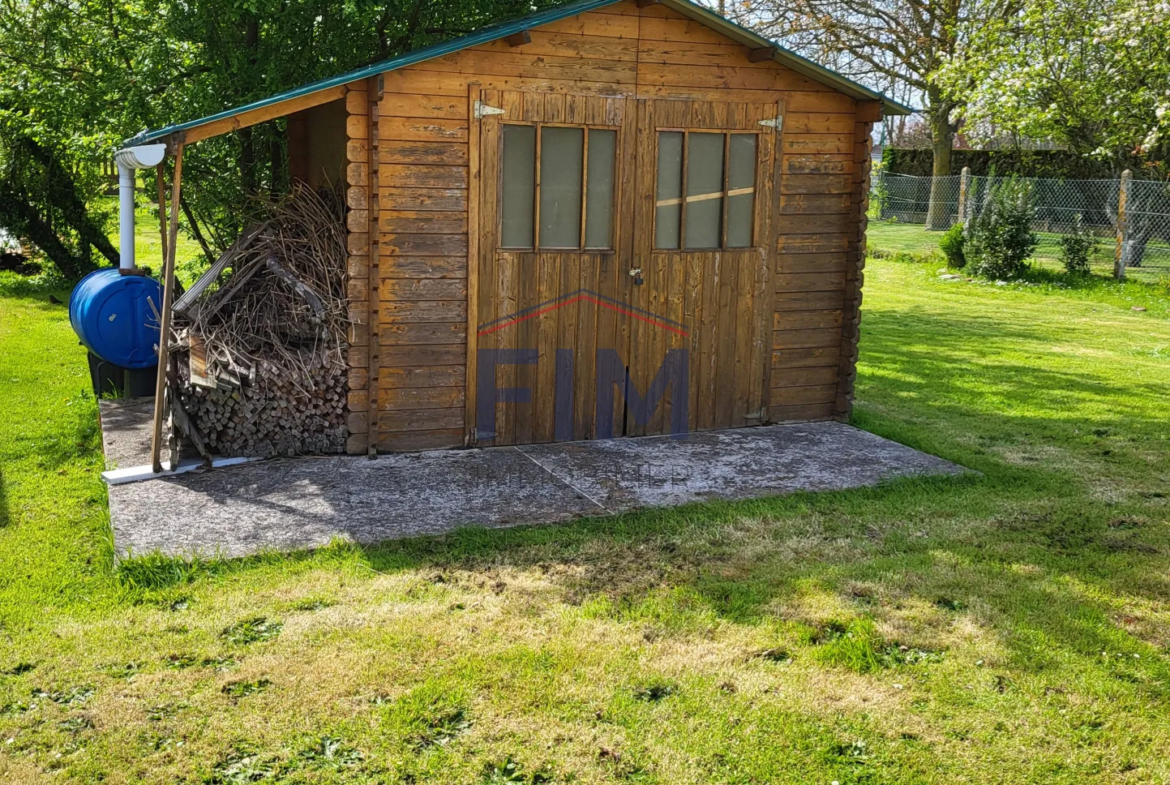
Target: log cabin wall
(409, 176)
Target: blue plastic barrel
(111, 314)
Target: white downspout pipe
(129, 159)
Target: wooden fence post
(164, 335)
(1120, 256)
(964, 188)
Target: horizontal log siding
(619, 51)
(422, 235)
(867, 114)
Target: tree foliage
(886, 43)
(77, 77)
(1090, 74)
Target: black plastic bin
(114, 381)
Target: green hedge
(1057, 164)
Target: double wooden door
(650, 313)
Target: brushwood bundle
(261, 361)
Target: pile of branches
(262, 335)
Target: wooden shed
(617, 217)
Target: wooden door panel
(714, 304)
(560, 304)
(722, 298)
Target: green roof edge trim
(494, 32)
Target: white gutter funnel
(128, 160)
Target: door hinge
(777, 123)
(483, 110)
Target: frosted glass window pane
(741, 177)
(561, 153)
(705, 191)
(519, 187)
(599, 189)
(668, 206)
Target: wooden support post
(164, 335)
(160, 175)
(964, 189)
(1121, 253)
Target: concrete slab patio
(286, 504)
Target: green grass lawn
(1012, 625)
(892, 237)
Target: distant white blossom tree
(889, 44)
(1093, 75)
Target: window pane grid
(562, 200)
(705, 189)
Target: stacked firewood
(282, 416)
(260, 366)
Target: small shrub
(879, 197)
(1076, 248)
(951, 245)
(1000, 239)
(41, 285)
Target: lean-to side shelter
(615, 217)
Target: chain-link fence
(1144, 242)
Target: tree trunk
(195, 231)
(22, 218)
(942, 136)
(62, 192)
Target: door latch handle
(636, 274)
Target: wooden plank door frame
(474, 183)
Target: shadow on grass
(1039, 581)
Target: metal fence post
(964, 187)
(1120, 255)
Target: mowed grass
(1013, 624)
(893, 237)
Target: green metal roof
(494, 32)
